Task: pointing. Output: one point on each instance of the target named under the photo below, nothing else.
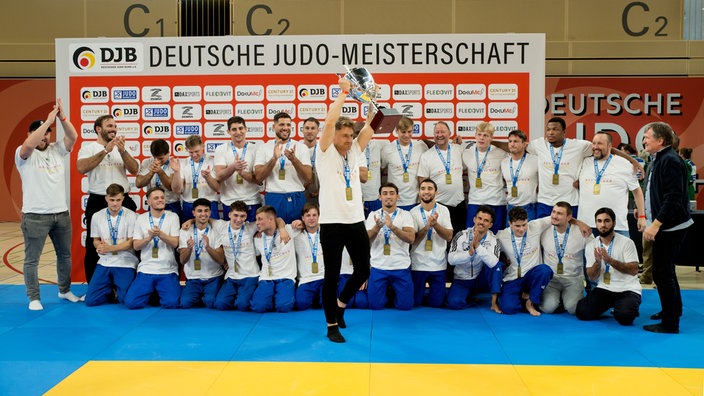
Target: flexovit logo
(312, 92)
(186, 128)
(94, 95)
(217, 93)
(106, 57)
(156, 130)
(439, 92)
(250, 111)
(471, 110)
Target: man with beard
(44, 203)
(613, 261)
(284, 165)
(606, 179)
(311, 128)
(105, 161)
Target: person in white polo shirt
(44, 202)
(104, 161)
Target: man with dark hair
(44, 202)
(111, 233)
(103, 166)
(234, 168)
(284, 165)
(196, 179)
(310, 259)
(520, 172)
(474, 253)
(310, 130)
(159, 171)
(612, 260)
(667, 212)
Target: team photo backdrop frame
(171, 88)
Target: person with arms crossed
(111, 233)
(612, 260)
(401, 159)
(520, 172)
(45, 204)
(155, 238)
(196, 179)
(234, 168)
(159, 171)
(105, 161)
(284, 165)
(433, 230)
(667, 211)
(474, 253)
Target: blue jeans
(35, 227)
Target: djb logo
(84, 58)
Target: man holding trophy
(339, 157)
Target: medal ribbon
(196, 174)
(556, 160)
(407, 160)
(425, 220)
(235, 247)
(151, 223)
(516, 254)
(198, 246)
(314, 245)
(270, 250)
(514, 177)
(446, 163)
(387, 230)
(560, 250)
(480, 167)
(113, 231)
(599, 173)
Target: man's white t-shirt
(204, 189)
(573, 257)
(43, 179)
(209, 268)
(241, 242)
(110, 170)
(399, 258)
(372, 161)
(491, 191)
(435, 259)
(100, 228)
(573, 154)
(282, 261)
(165, 263)
(531, 253)
(291, 182)
(169, 195)
(305, 243)
(230, 190)
(433, 167)
(391, 160)
(334, 205)
(624, 250)
(526, 182)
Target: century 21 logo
(85, 58)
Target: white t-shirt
(436, 259)
(334, 206)
(281, 263)
(291, 182)
(433, 167)
(391, 160)
(230, 190)
(573, 258)
(170, 196)
(527, 181)
(246, 266)
(491, 191)
(304, 257)
(399, 258)
(99, 228)
(618, 179)
(166, 262)
(572, 155)
(110, 170)
(468, 267)
(531, 256)
(372, 161)
(43, 179)
(204, 190)
(624, 250)
(209, 268)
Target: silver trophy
(364, 91)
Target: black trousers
(458, 217)
(333, 238)
(96, 203)
(598, 301)
(666, 248)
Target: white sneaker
(71, 297)
(35, 305)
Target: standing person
(311, 128)
(486, 186)
(112, 235)
(433, 229)
(234, 168)
(155, 238)
(284, 165)
(341, 212)
(371, 166)
(309, 259)
(667, 211)
(613, 262)
(159, 171)
(105, 161)
(686, 154)
(443, 164)
(196, 179)
(401, 159)
(520, 172)
(44, 202)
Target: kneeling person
(309, 259)
(613, 261)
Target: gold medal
(196, 264)
(555, 178)
(235, 266)
(406, 177)
(240, 180)
(314, 267)
(597, 189)
(282, 174)
(428, 245)
(369, 175)
(607, 278)
(448, 178)
(348, 193)
(478, 182)
(270, 273)
(514, 191)
(194, 193)
(387, 249)
(114, 253)
(155, 252)
(560, 268)
(518, 272)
